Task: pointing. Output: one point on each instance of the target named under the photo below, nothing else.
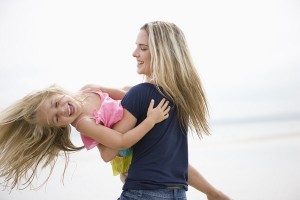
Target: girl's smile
(58, 110)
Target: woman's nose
(135, 53)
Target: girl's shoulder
(82, 118)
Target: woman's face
(142, 54)
(58, 110)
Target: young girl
(34, 130)
(109, 114)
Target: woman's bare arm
(197, 181)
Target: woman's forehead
(142, 38)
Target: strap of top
(99, 92)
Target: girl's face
(58, 110)
(142, 54)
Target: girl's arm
(127, 123)
(116, 140)
(107, 154)
(114, 93)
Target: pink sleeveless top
(108, 114)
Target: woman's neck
(149, 80)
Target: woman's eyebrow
(143, 45)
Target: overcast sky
(247, 52)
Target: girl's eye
(56, 104)
(56, 119)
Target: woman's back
(160, 158)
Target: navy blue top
(160, 158)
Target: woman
(160, 167)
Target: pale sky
(247, 52)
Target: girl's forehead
(43, 112)
(53, 95)
(48, 98)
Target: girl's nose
(62, 110)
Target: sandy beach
(249, 162)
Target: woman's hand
(218, 196)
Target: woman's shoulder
(141, 86)
(141, 91)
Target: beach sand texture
(246, 162)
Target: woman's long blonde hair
(173, 70)
(25, 146)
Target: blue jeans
(165, 194)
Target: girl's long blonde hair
(25, 146)
(173, 70)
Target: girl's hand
(160, 112)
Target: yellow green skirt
(120, 164)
